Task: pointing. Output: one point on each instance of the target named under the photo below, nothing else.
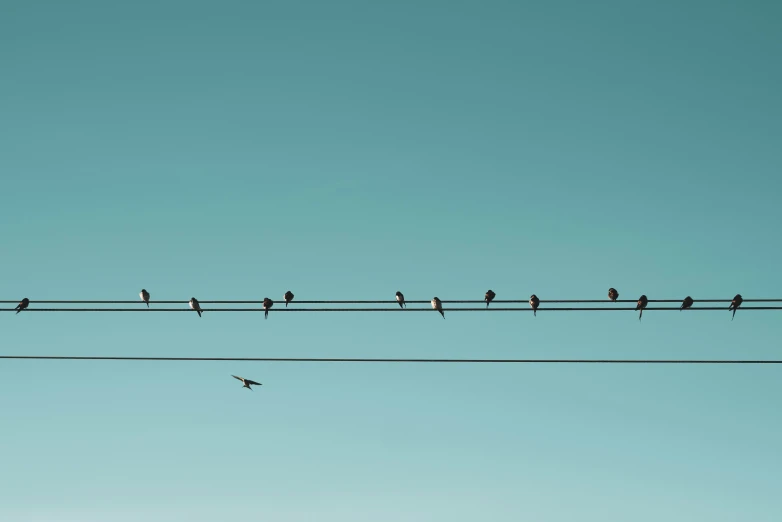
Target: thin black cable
(390, 301)
(362, 360)
(400, 310)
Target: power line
(412, 361)
(396, 310)
(388, 301)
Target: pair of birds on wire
(195, 305)
(534, 302)
(613, 295)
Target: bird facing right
(687, 303)
(734, 305)
(22, 305)
(613, 295)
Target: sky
(347, 150)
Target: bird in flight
(489, 297)
(247, 382)
(267, 303)
(22, 305)
(144, 296)
(534, 302)
(642, 302)
(438, 305)
(613, 295)
(687, 303)
(400, 298)
(734, 305)
(195, 306)
(288, 298)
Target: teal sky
(347, 150)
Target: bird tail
(18, 310)
(442, 313)
(734, 314)
(535, 312)
(265, 314)
(640, 314)
(681, 307)
(199, 313)
(400, 305)
(286, 304)
(147, 304)
(405, 305)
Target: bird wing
(248, 381)
(235, 377)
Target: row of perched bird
(534, 302)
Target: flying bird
(489, 297)
(534, 302)
(734, 305)
(642, 302)
(687, 303)
(400, 298)
(267, 303)
(22, 305)
(247, 382)
(288, 298)
(613, 295)
(195, 306)
(144, 296)
(438, 305)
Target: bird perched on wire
(613, 295)
(642, 302)
(687, 303)
(195, 306)
(489, 297)
(400, 298)
(267, 303)
(438, 305)
(534, 302)
(734, 305)
(22, 305)
(288, 298)
(247, 382)
(144, 296)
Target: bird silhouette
(534, 302)
(489, 297)
(400, 298)
(267, 303)
(438, 305)
(613, 295)
(734, 305)
(247, 382)
(144, 296)
(687, 303)
(288, 298)
(642, 302)
(195, 306)
(22, 305)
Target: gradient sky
(347, 150)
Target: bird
(613, 295)
(267, 303)
(642, 302)
(400, 298)
(247, 382)
(195, 306)
(489, 297)
(687, 303)
(288, 298)
(144, 296)
(22, 305)
(438, 305)
(734, 305)
(534, 302)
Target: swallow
(22, 305)
(144, 296)
(267, 303)
(288, 298)
(534, 302)
(642, 302)
(438, 305)
(687, 303)
(734, 305)
(613, 295)
(489, 297)
(400, 298)
(195, 306)
(247, 382)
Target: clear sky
(347, 150)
